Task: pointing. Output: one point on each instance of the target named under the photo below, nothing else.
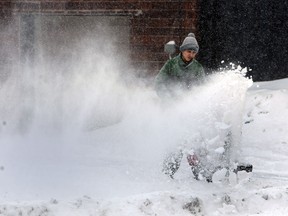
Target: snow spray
(58, 118)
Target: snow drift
(89, 142)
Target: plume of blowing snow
(91, 117)
(81, 135)
(88, 127)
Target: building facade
(142, 26)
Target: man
(181, 72)
(178, 75)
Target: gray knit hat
(190, 43)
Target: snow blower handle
(244, 167)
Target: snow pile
(90, 142)
(266, 120)
(114, 171)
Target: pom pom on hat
(190, 43)
(191, 35)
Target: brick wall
(152, 23)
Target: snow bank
(89, 142)
(101, 171)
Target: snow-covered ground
(92, 146)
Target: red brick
(26, 6)
(52, 6)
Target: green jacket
(176, 75)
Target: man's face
(188, 55)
